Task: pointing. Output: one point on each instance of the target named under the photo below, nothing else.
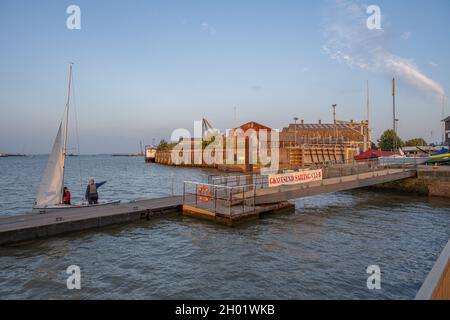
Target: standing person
(66, 196)
(91, 191)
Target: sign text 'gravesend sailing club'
(276, 180)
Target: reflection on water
(320, 251)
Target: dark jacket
(98, 185)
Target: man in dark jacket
(91, 191)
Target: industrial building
(447, 131)
(303, 144)
(299, 144)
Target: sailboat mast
(443, 122)
(65, 128)
(369, 136)
(394, 127)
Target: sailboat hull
(64, 207)
(402, 160)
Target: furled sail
(50, 190)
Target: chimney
(303, 121)
(320, 121)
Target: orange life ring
(204, 193)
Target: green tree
(163, 145)
(416, 142)
(388, 139)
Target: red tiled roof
(253, 125)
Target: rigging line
(76, 134)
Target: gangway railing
(333, 170)
(237, 180)
(220, 199)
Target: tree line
(389, 141)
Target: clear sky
(144, 68)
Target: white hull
(402, 160)
(53, 208)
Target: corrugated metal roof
(309, 126)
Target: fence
(220, 199)
(329, 170)
(237, 180)
(237, 193)
(437, 283)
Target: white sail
(50, 190)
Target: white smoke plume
(349, 41)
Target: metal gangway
(240, 193)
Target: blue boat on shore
(440, 157)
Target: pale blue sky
(143, 68)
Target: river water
(321, 251)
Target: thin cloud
(208, 28)
(349, 41)
(433, 64)
(304, 69)
(406, 35)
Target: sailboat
(50, 192)
(402, 158)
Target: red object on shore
(373, 154)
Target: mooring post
(215, 199)
(230, 199)
(254, 198)
(243, 199)
(196, 195)
(172, 177)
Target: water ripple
(320, 251)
